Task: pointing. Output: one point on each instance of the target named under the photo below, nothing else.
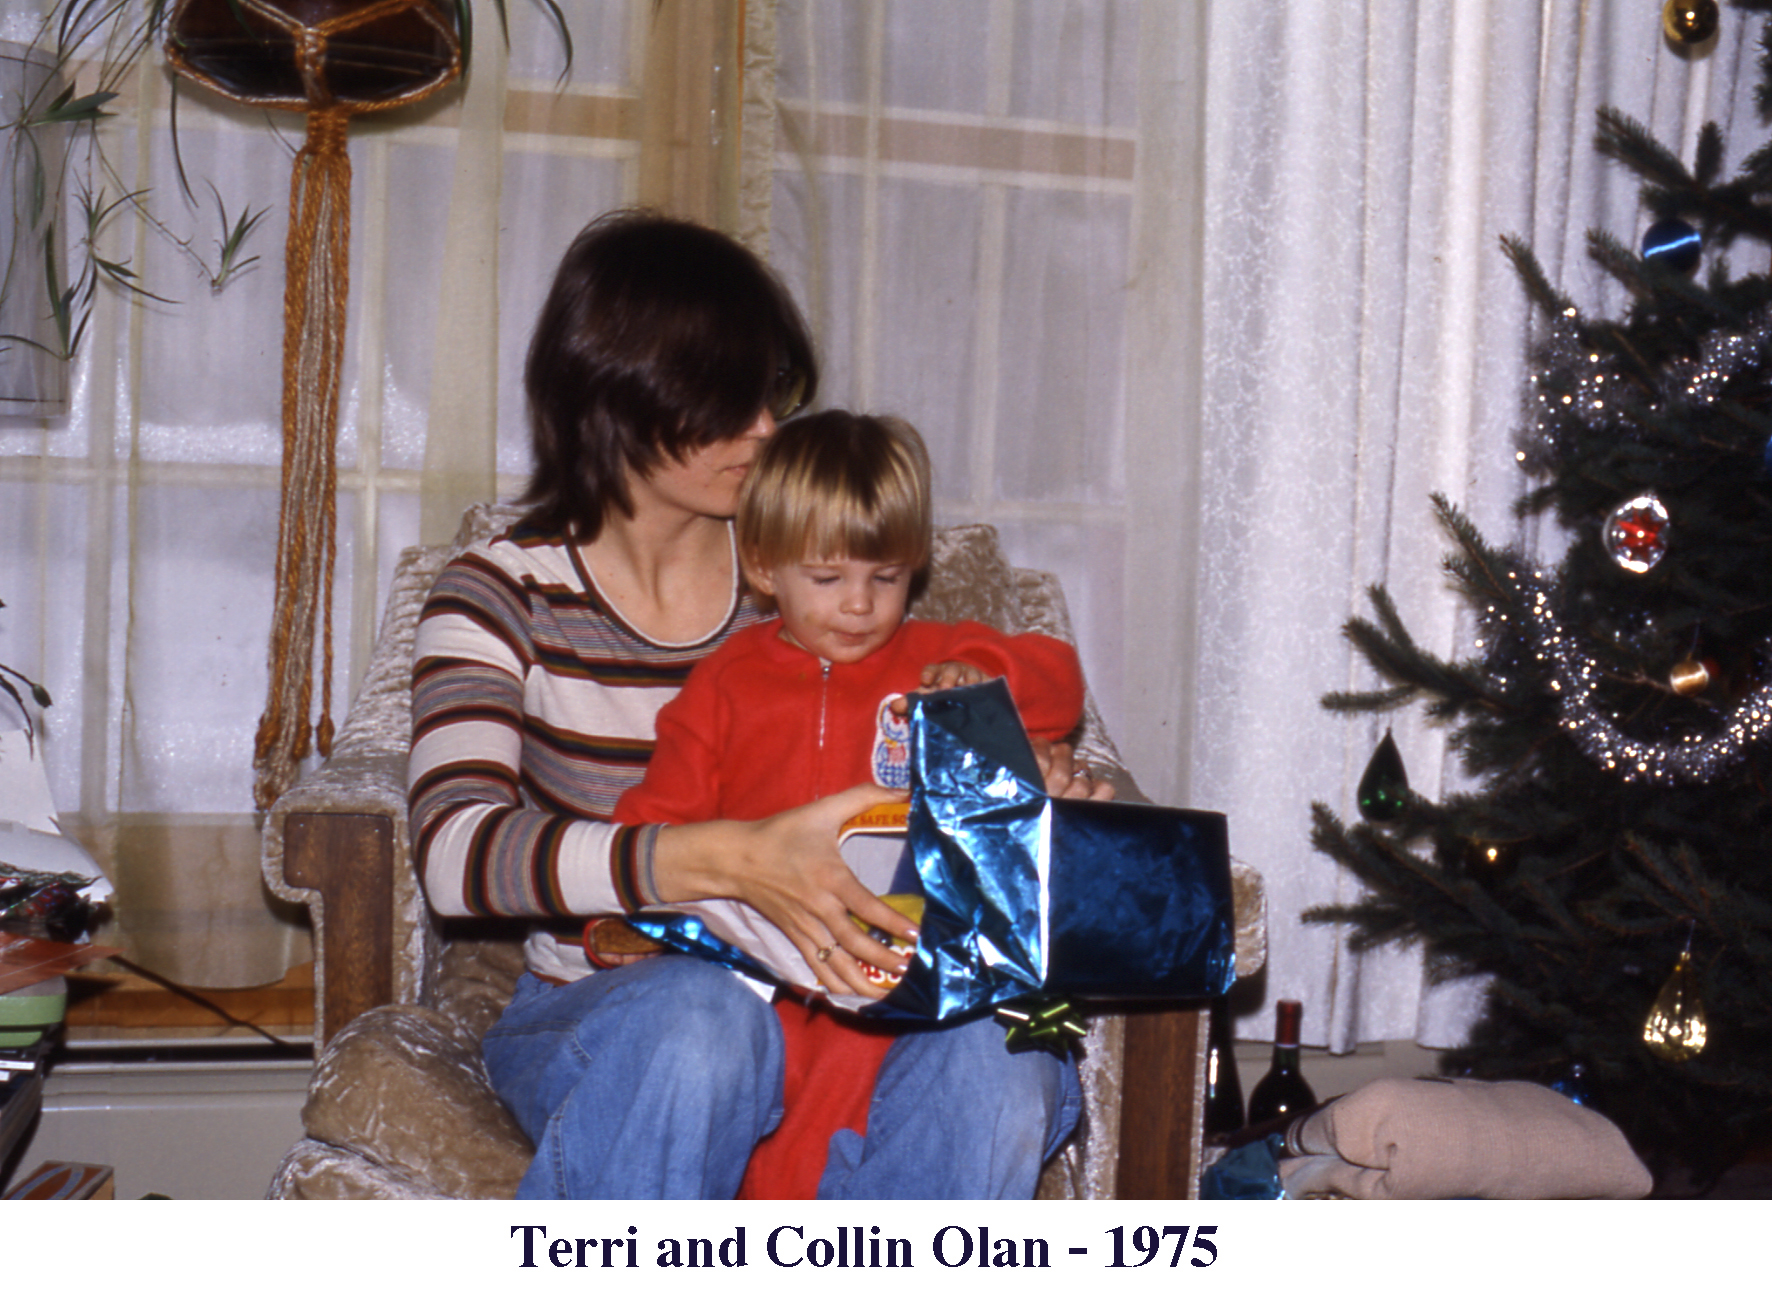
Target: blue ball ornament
(1673, 244)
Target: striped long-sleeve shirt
(533, 706)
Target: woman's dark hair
(658, 337)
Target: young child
(834, 525)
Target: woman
(663, 356)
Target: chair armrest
(1162, 1071)
(336, 841)
(1163, 1108)
(405, 1091)
(346, 860)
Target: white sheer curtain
(1364, 348)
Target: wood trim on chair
(1163, 1105)
(349, 860)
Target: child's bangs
(832, 485)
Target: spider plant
(40, 131)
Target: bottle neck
(1287, 1015)
(1285, 1058)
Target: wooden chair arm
(348, 860)
(1163, 1102)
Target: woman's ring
(1082, 770)
(824, 953)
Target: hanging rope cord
(316, 288)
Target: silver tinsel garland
(1693, 759)
(1596, 398)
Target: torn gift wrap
(1023, 893)
(1029, 893)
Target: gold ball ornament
(1689, 676)
(1689, 22)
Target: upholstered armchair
(399, 1105)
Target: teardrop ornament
(1675, 1028)
(1384, 788)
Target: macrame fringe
(313, 351)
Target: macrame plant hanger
(331, 59)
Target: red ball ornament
(1636, 534)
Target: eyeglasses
(787, 394)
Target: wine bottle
(1282, 1090)
(1224, 1089)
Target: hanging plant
(333, 64)
(44, 126)
(44, 123)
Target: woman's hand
(787, 866)
(1067, 776)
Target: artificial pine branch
(1763, 93)
(1756, 169)
(1707, 165)
(1533, 278)
(1625, 139)
(1370, 701)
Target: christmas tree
(1609, 870)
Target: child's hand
(946, 676)
(943, 677)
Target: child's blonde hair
(840, 485)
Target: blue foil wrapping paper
(1248, 1173)
(684, 932)
(1025, 893)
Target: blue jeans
(656, 1080)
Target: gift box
(1023, 894)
